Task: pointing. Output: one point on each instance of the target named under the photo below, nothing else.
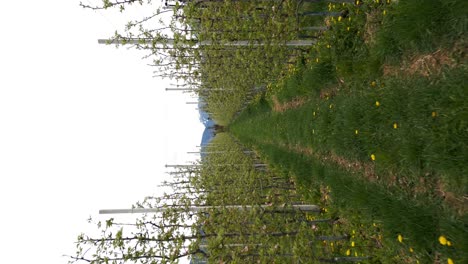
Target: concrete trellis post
(195, 209)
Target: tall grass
(421, 26)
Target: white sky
(83, 127)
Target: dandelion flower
(348, 252)
(355, 254)
(449, 244)
(356, 131)
(385, 12)
(443, 240)
(339, 18)
(395, 125)
(331, 106)
(411, 250)
(372, 157)
(357, 2)
(449, 261)
(314, 113)
(434, 114)
(377, 103)
(400, 238)
(373, 83)
(352, 243)
(328, 46)
(317, 60)
(347, 28)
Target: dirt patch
(373, 22)
(424, 65)
(330, 92)
(430, 64)
(458, 203)
(281, 107)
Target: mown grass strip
(419, 225)
(412, 127)
(385, 87)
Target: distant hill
(206, 120)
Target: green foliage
(381, 152)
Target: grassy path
(377, 115)
(352, 197)
(361, 191)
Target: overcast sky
(83, 127)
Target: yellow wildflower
(314, 113)
(373, 83)
(352, 243)
(331, 106)
(449, 261)
(385, 12)
(347, 28)
(400, 238)
(357, 2)
(328, 46)
(339, 18)
(377, 103)
(373, 158)
(443, 240)
(354, 232)
(317, 60)
(395, 125)
(355, 254)
(356, 131)
(434, 114)
(411, 250)
(449, 244)
(348, 252)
